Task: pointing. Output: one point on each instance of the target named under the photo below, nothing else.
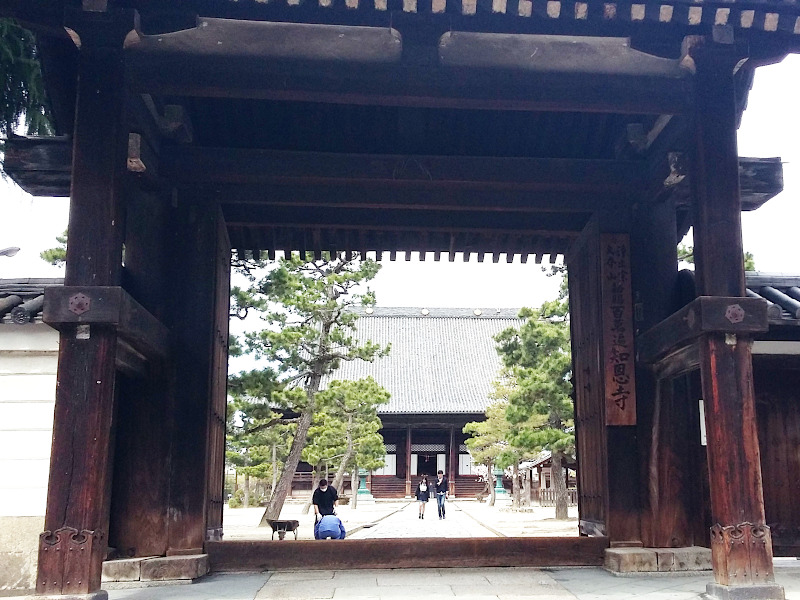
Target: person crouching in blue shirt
(329, 526)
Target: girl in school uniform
(423, 493)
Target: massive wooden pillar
(74, 542)
(139, 502)
(198, 274)
(664, 420)
(740, 540)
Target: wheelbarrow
(282, 527)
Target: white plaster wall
(28, 362)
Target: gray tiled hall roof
(441, 362)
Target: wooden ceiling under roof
(395, 126)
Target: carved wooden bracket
(741, 554)
(65, 561)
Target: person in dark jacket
(441, 492)
(324, 500)
(423, 493)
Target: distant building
(439, 374)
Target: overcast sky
(770, 127)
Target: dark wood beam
(285, 239)
(245, 60)
(706, 314)
(683, 360)
(760, 180)
(41, 166)
(189, 165)
(66, 307)
(497, 223)
(370, 554)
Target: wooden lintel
(181, 64)
(66, 307)
(192, 165)
(41, 166)
(706, 314)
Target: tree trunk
(559, 486)
(315, 478)
(274, 469)
(348, 455)
(284, 484)
(247, 490)
(492, 483)
(526, 487)
(515, 486)
(354, 488)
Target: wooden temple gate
(596, 130)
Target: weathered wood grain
(705, 314)
(405, 553)
(737, 503)
(78, 497)
(111, 306)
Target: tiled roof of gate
(21, 300)
(441, 362)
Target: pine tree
(309, 332)
(536, 358)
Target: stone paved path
(405, 524)
(438, 584)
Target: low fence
(547, 497)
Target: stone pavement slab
(490, 583)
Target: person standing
(441, 492)
(422, 493)
(324, 500)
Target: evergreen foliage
(535, 410)
(686, 254)
(56, 256)
(308, 332)
(23, 97)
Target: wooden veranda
(596, 130)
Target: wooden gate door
(583, 263)
(218, 386)
(605, 387)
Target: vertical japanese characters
(618, 332)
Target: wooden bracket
(742, 554)
(66, 559)
(706, 314)
(67, 308)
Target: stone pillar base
(657, 560)
(98, 595)
(158, 568)
(763, 591)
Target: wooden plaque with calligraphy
(618, 332)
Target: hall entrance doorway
(426, 465)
